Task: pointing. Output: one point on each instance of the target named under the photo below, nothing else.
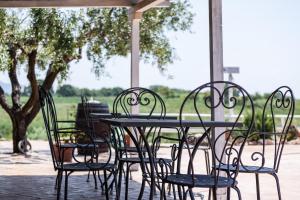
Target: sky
(261, 37)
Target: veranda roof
(137, 7)
(140, 4)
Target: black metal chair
(99, 139)
(56, 135)
(281, 101)
(226, 145)
(149, 103)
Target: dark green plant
(257, 126)
(293, 133)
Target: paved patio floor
(34, 177)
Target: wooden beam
(135, 56)
(216, 74)
(144, 5)
(64, 3)
(73, 3)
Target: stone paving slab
(33, 178)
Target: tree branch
(31, 76)
(12, 73)
(47, 84)
(3, 102)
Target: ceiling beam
(82, 3)
(144, 5)
(64, 3)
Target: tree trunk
(19, 130)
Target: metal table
(119, 115)
(141, 125)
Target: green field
(66, 107)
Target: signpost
(231, 70)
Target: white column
(216, 65)
(135, 19)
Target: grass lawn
(66, 107)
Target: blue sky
(261, 37)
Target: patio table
(141, 124)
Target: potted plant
(65, 152)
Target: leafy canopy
(61, 35)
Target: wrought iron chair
(90, 161)
(100, 140)
(281, 101)
(149, 103)
(226, 145)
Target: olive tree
(44, 42)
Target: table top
(138, 122)
(140, 116)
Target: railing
(296, 120)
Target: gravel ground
(34, 177)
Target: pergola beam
(64, 3)
(145, 5)
(76, 3)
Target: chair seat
(202, 181)
(248, 169)
(85, 167)
(146, 160)
(132, 149)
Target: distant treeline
(71, 91)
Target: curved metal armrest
(162, 168)
(68, 128)
(69, 131)
(66, 121)
(68, 145)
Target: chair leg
(95, 179)
(88, 176)
(115, 180)
(106, 185)
(169, 184)
(100, 180)
(257, 186)
(238, 192)
(59, 180)
(118, 196)
(162, 191)
(214, 193)
(142, 188)
(277, 184)
(180, 189)
(228, 193)
(66, 185)
(191, 194)
(127, 180)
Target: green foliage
(66, 107)
(67, 91)
(167, 92)
(60, 35)
(257, 126)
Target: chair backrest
(226, 144)
(88, 121)
(102, 140)
(280, 102)
(50, 121)
(149, 102)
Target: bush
(257, 126)
(67, 91)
